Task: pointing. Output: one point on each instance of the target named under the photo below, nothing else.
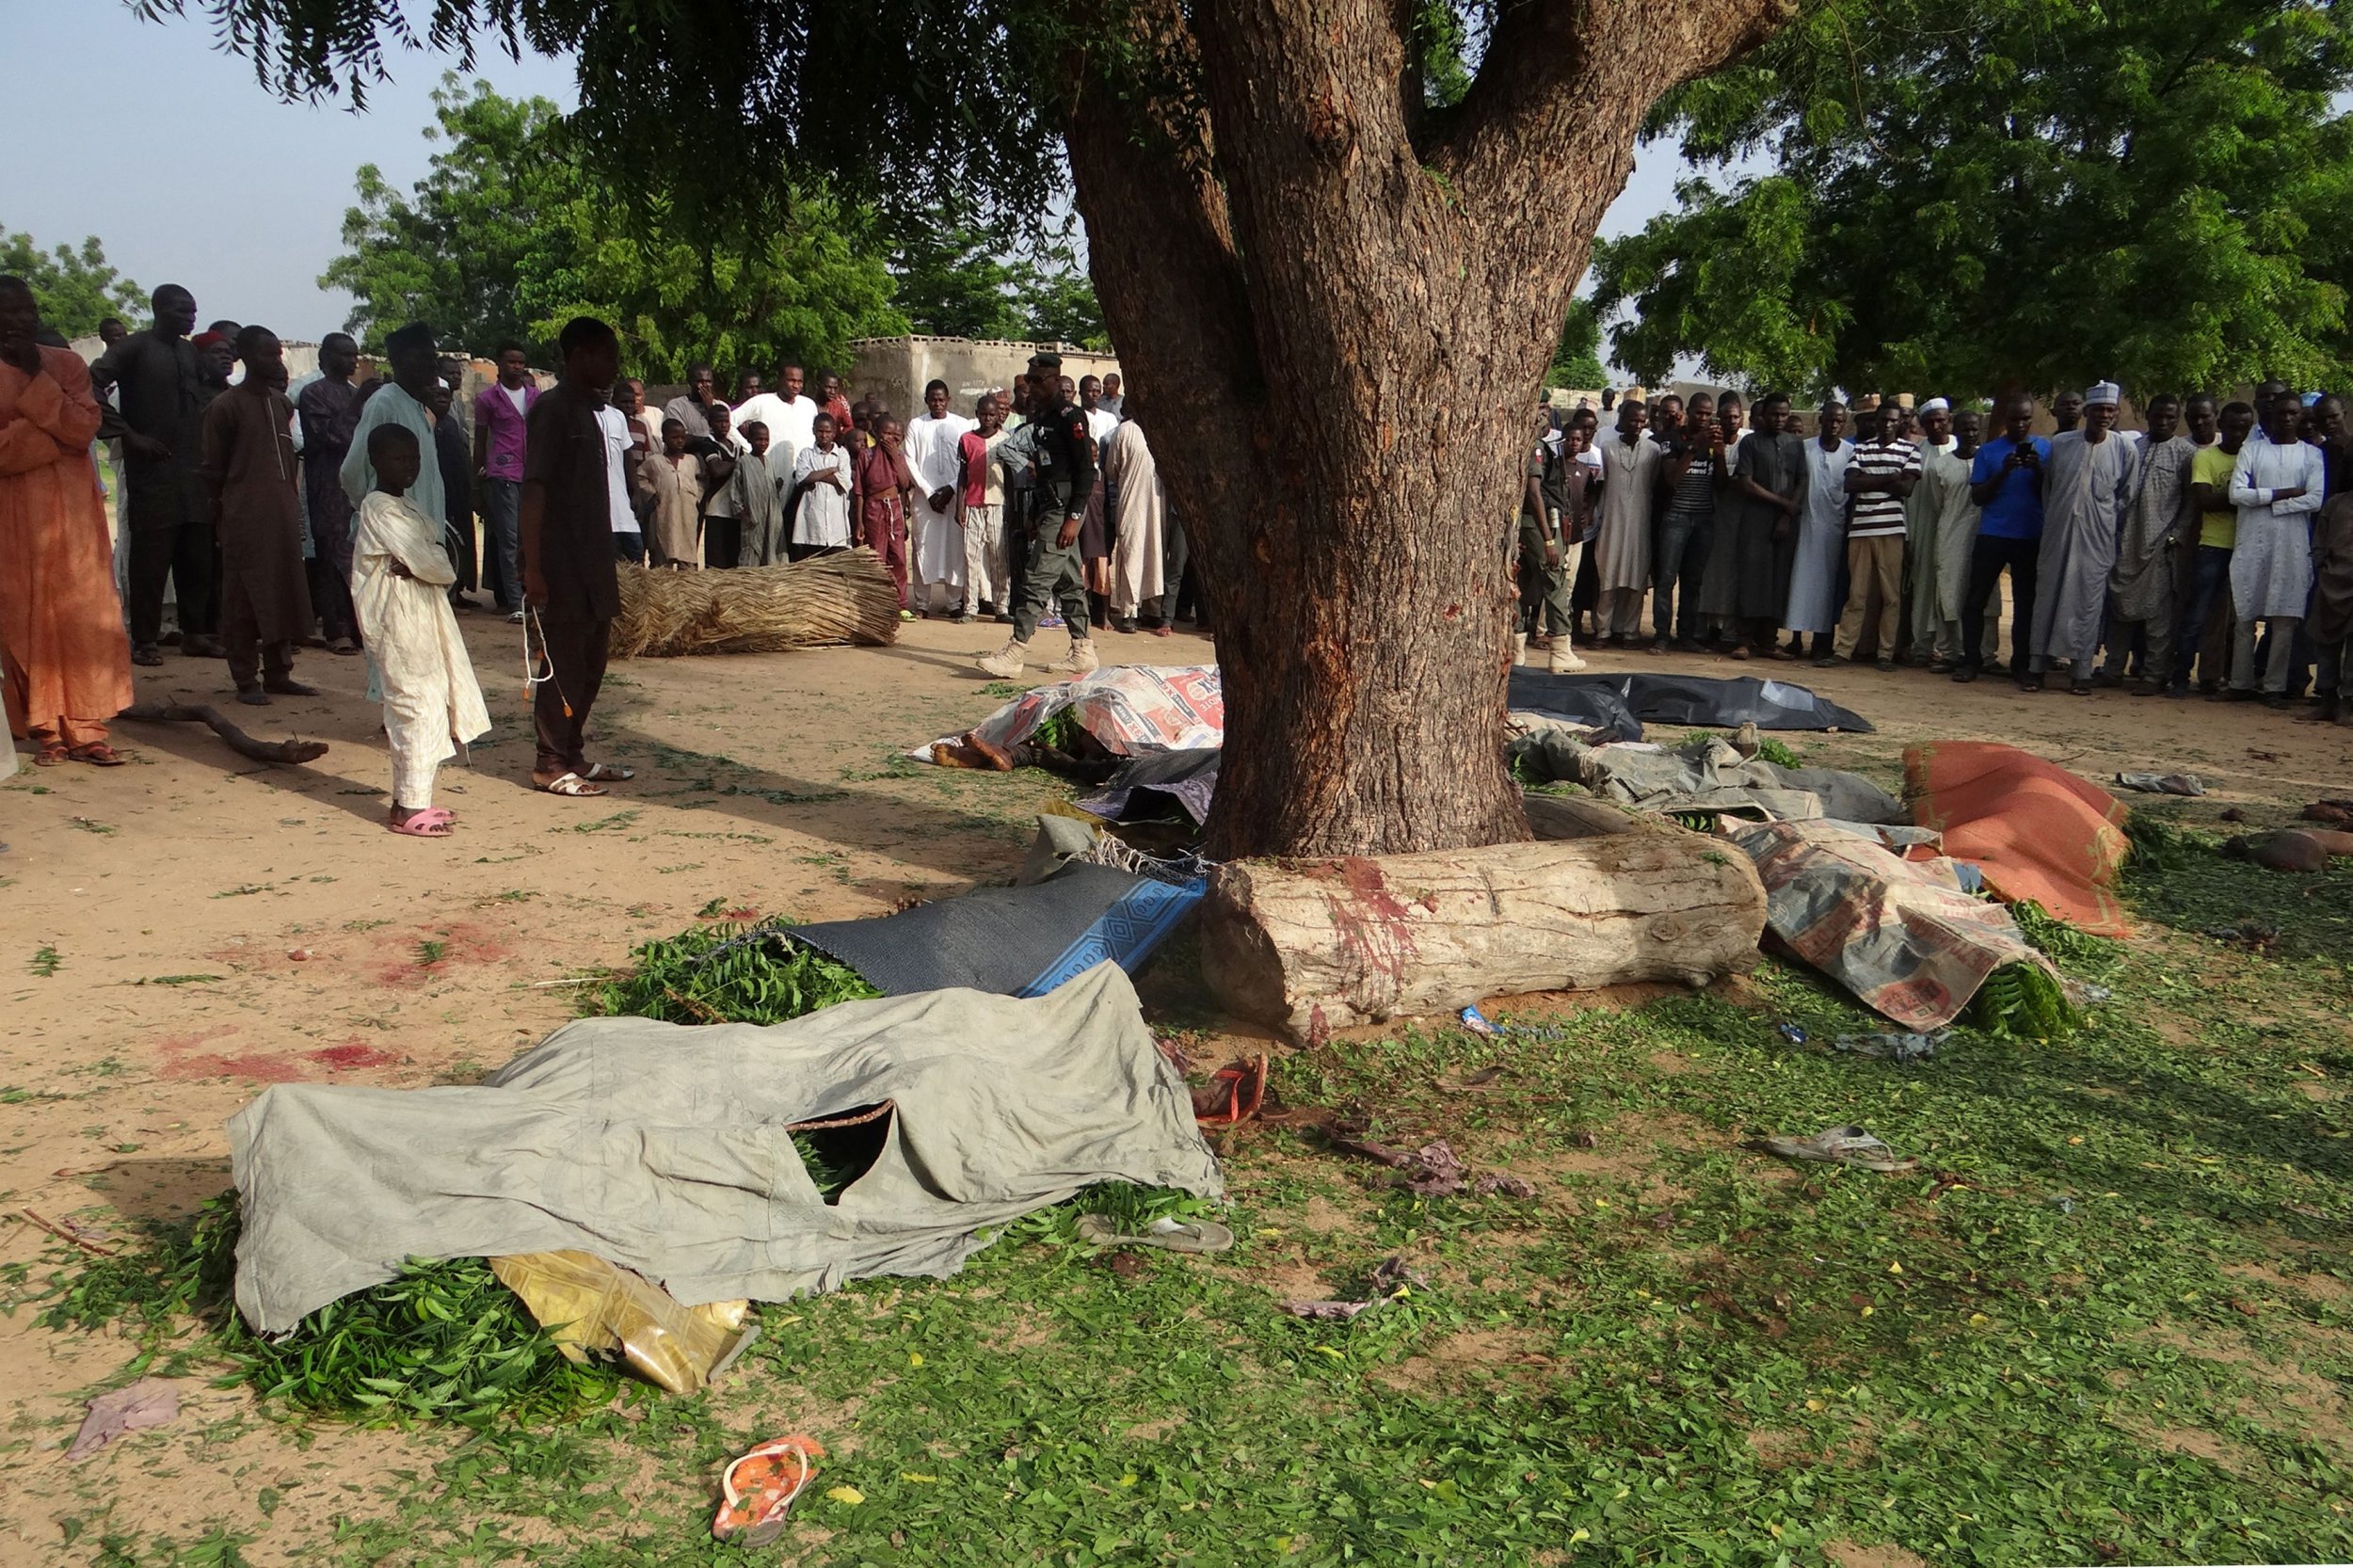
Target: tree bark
(1334, 313)
(1315, 945)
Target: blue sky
(190, 172)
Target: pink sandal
(434, 822)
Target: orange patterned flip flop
(759, 1485)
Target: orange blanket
(2035, 830)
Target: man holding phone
(2005, 482)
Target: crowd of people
(2216, 544)
(358, 515)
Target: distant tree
(77, 289)
(1988, 194)
(1058, 300)
(1577, 361)
(511, 233)
(949, 282)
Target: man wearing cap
(1940, 529)
(2086, 496)
(1059, 451)
(2277, 486)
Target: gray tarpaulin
(1692, 699)
(1705, 774)
(666, 1149)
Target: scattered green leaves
(730, 973)
(45, 962)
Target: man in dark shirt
(329, 406)
(166, 510)
(569, 581)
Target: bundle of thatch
(848, 597)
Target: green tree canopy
(77, 289)
(956, 278)
(1984, 194)
(511, 233)
(1577, 361)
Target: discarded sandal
(1839, 1145)
(759, 1485)
(1194, 1236)
(1232, 1094)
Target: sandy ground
(217, 927)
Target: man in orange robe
(67, 660)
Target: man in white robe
(400, 578)
(1630, 467)
(2277, 487)
(1813, 601)
(932, 450)
(1138, 570)
(2086, 492)
(1941, 523)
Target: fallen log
(239, 742)
(1313, 945)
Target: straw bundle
(848, 597)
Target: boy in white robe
(400, 579)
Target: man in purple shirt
(498, 465)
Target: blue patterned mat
(1015, 941)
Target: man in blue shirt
(2006, 481)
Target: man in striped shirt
(1881, 476)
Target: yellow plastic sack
(591, 1306)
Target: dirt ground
(186, 930)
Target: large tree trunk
(1313, 945)
(1335, 325)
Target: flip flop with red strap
(759, 1485)
(1232, 1094)
(98, 754)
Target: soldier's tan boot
(1519, 648)
(1007, 663)
(1080, 661)
(1564, 659)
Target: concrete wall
(896, 370)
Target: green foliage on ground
(729, 973)
(1967, 198)
(443, 1340)
(2108, 1317)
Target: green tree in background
(954, 279)
(950, 284)
(511, 233)
(1058, 302)
(1985, 194)
(77, 289)
(1577, 361)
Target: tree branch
(1552, 66)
